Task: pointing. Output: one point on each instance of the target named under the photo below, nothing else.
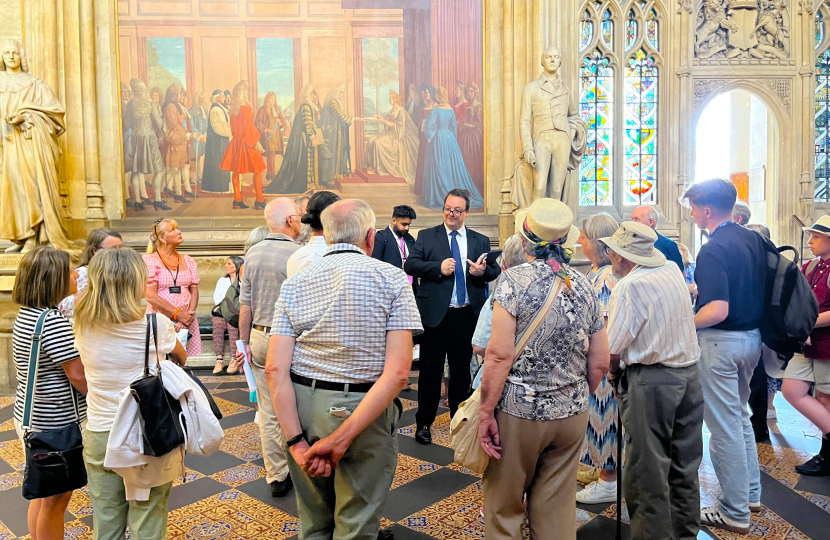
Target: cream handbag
(464, 425)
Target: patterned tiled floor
(226, 496)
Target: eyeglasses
(452, 212)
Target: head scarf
(554, 255)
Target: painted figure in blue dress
(444, 168)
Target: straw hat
(635, 242)
(548, 220)
(821, 226)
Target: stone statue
(553, 134)
(31, 120)
(742, 29)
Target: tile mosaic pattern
(226, 497)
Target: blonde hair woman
(173, 281)
(109, 317)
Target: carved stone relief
(742, 30)
(703, 88)
(782, 88)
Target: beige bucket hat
(635, 242)
(548, 220)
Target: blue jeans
(727, 360)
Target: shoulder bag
(160, 413)
(464, 425)
(55, 457)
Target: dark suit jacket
(387, 249)
(434, 291)
(669, 248)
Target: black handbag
(159, 412)
(54, 458)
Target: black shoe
(169, 193)
(138, 206)
(259, 205)
(130, 203)
(147, 201)
(386, 535)
(818, 466)
(161, 205)
(240, 205)
(280, 488)
(423, 435)
(181, 199)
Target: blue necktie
(460, 283)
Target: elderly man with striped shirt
(654, 356)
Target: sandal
(233, 367)
(219, 367)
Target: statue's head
(13, 56)
(552, 59)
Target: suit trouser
(759, 401)
(539, 458)
(347, 504)
(270, 432)
(662, 413)
(452, 338)
(553, 153)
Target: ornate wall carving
(703, 88)
(735, 30)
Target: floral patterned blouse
(603, 280)
(67, 305)
(548, 380)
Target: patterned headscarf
(553, 253)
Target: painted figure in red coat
(244, 153)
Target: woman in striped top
(44, 278)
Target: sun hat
(548, 220)
(521, 215)
(635, 242)
(821, 226)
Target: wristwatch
(295, 440)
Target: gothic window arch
(822, 116)
(624, 71)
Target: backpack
(228, 308)
(791, 308)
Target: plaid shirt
(339, 308)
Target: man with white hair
(741, 214)
(265, 271)
(654, 356)
(647, 215)
(341, 350)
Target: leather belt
(361, 388)
(266, 329)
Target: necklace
(166, 264)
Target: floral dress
(158, 274)
(600, 448)
(67, 306)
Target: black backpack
(791, 308)
(228, 308)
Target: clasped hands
(477, 268)
(321, 458)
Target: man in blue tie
(451, 265)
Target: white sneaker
(598, 492)
(771, 414)
(712, 517)
(256, 418)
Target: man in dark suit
(647, 215)
(449, 260)
(394, 243)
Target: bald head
(349, 222)
(646, 215)
(281, 216)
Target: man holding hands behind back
(450, 261)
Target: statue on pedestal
(31, 120)
(553, 135)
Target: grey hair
(24, 62)
(347, 222)
(278, 211)
(761, 229)
(742, 211)
(257, 235)
(598, 226)
(513, 254)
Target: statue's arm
(526, 120)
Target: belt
(266, 329)
(361, 388)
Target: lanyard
(339, 251)
(724, 224)
(178, 263)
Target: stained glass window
(586, 31)
(822, 117)
(651, 30)
(630, 31)
(640, 176)
(819, 28)
(608, 30)
(596, 108)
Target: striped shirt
(265, 270)
(650, 318)
(339, 308)
(52, 406)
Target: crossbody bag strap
(147, 348)
(31, 378)
(540, 315)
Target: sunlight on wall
(712, 140)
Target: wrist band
(175, 315)
(295, 440)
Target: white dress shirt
(405, 252)
(313, 251)
(462, 248)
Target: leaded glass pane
(822, 167)
(630, 31)
(608, 30)
(597, 110)
(651, 30)
(586, 32)
(640, 143)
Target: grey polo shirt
(263, 274)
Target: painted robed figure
(31, 120)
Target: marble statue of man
(553, 134)
(31, 120)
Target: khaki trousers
(539, 458)
(270, 432)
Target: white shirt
(650, 318)
(221, 289)
(107, 374)
(462, 248)
(405, 252)
(313, 251)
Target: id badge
(176, 290)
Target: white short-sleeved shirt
(113, 357)
(309, 253)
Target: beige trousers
(273, 453)
(553, 153)
(539, 458)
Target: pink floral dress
(158, 274)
